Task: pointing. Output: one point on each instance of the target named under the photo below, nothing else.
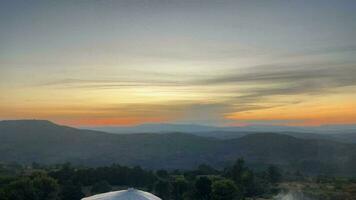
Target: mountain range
(149, 128)
(27, 141)
(341, 133)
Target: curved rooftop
(129, 194)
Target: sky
(211, 62)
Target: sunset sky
(212, 62)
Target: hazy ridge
(46, 142)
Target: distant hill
(192, 128)
(340, 133)
(30, 141)
(156, 128)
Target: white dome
(129, 194)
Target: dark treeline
(66, 182)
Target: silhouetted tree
(46, 188)
(21, 189)
(203, 188)
(237, 171)
(179, 186)
(274, 174)
(225, 190)
(100, 187)
(71, 191)
(162, 174)
(205, 169)
(162, 189)
(36, 187)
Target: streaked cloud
(207, 62)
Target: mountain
(344, 137)
(193, 128)
(156, 128)
(339, 133)
(30, 141)
(42, 141)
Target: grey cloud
(323, 51)
(272, 122)
(291, 79)
(241, 107)
(343, 74)
(106, 84)
(179, 111)
(268, 80)
(284, 80)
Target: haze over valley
(28, 141)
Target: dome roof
(129, 194)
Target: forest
(236, 182)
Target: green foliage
(162, 189)
(71, 191)
(46, 187)
(203, 188)
(68, 182)
(250, 184)
(114, 175)
(36, 187)
(179, 187)
(162, 174)
(101, 187)
(225, 190)
(274, 174)
(205, 169)
(237, 171)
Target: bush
(225, 190)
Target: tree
(179, 186)
(162, 174)
(21, 189)
(46, 187)
(274, 175)
(205, 169)
(203, 188)
(3, 195)
(243, 177)
(101, 187)
(71, 191)
(248, 183)
(37, 187)
(237, 170)
(225, 190)
(162, 189)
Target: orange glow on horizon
(301, 115)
